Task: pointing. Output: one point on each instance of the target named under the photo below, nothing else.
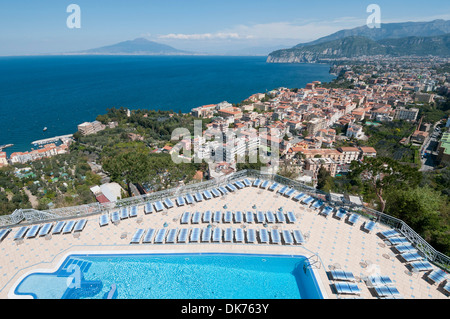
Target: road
(430, 145)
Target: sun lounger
(246, 182)
(239, 235)
(270, 217)
(283, 190)
(32, 232)
(398, 241)
(79, 226)
(45, 230)
(217, 218)
(189, 199)
(287, 237)
(228, 236)
(180, 201)
(3, 233)
(148, 237)
(326, 211)
(411, 256)
(215, 192)
(298, 237)
(115, 217)
(239, 184)
(342, 275)
(58, 227)
(124, 213)
(280, 217)
(404, 248)
(20, 233)
(228, 217)
(387, 291)
(206, 235)
(217, 235)
(256, 183)
(158, 206)
(68, 227)
(185, 218)
(276, 238)
(291, 217)
(198, 197)
(437, 276)
(421, 265)
(207, 194)
(273, 186)
(390, 233)
(183, 235)
(160, 235)
(238, 217)
(251, 236)
(206, 218)
(308, 200)
(349, 288)
(136, 238)
(298, 197)
(103, 220)
(378, 280)
(133, 212)
(171, 236)
(196, 218)
(340, 213)
(264, 236)
(317, 204)
(195, 235)
(353, 218)
(289, 192)
(231, 187)
(249, 217)
(223, 190)
(148, 208)
(369, 225)
(260, 217)
(264, 184)
(447, 287)
(168, 203)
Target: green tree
(383, 174)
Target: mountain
(139, 46)
(366, 41)
(390, 31)
(354, 46)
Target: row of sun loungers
(216, 235)
(64, 227)
(237, 217)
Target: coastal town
(320, 126)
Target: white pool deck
(338, 244)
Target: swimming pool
(175, 276)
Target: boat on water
(45, 129)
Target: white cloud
(202, 36)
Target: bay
(60, 92)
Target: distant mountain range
(395, 39)
(139, 46)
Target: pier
(52, 139)
(5, 146)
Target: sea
(60, 92)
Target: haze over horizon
(202, 26)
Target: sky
(207, 26)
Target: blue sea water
(175, 276)
(60, 92)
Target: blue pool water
(176, 276)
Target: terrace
(252, 219)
